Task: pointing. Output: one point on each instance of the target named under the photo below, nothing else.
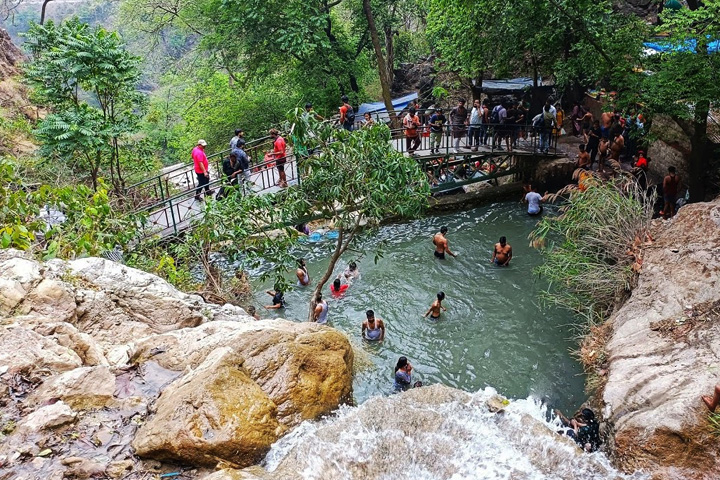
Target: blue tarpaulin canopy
(379, 107)
(661, 47)
(506, 86)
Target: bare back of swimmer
(441, 244)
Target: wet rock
(663, 353)
(216, 412)
(47, 417)
(79, 467)
(81, 388)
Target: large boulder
(215, 412)
(305, 368)
(664, 351)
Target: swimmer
(302, 273)
(351, 273)
(278, 299)
(403, 375)
(251, 311)
(321, 310)
(434, 310)
(337, 288)
(441, 244)
(373, 329)
(502, 253)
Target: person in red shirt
(337, 289)
(279, 155)
(411, 122)
(347, 114)
(202, 169)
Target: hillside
(16, 111)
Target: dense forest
(123, 88)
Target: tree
(71, 63)
(355, 180)
(384, 70)
(9, 7)
(683, 82)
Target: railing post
(172, 215)
(162, 193)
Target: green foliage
(89, 80)
(590, 266)
(578, 42)
(714, 423)
(90, 223)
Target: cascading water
(433, 433)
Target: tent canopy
(379, 107)
(506, 86)
(690, 46)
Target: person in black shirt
(594, 141)
(436, 122)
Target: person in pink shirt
(202, 170)
(279, 155)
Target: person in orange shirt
(279, 155)
(411, 122)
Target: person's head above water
(443, 230)
(588, 415)
(336, 284)
(503, 241)
(671, 170)
(401, 363)
(318, 297)
(301, 262)
(353, 266)
(370, 315)
(441, 296)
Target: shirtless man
(502, 253)
(603, 148)
(373, 329)
(434, 310)
(617, 147)
(302, 273)
(605, 123)
(441, 244)
(583, 158)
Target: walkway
(169, 198)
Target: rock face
(101, 362)
(665, 351)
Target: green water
(495, 332)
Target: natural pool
(495, 332)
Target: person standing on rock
(441, 244)
(321, 310)
(202, 169)
(302, 273)
(373, 329)
(502, 253)
(671, 183)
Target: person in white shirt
(534, 201)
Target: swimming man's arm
(273, 307)
(509, 256)
(381, 324)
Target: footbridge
(168, 199)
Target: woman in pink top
(279, 155)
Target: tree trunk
(699, 164)
(339, 249)
(390, 49)
(382, 65)
(42, 11)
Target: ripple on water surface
(495, 332)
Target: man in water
(441, 244)
(434, 310)
(534, 199)
(278, 299)
(373, 329)
(670, 191)
(302, 274)
(502, 253)
(321, 310)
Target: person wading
(441, 244)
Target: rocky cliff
(101, 363)
(665, 352)
(15, 107)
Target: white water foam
(436, 433)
